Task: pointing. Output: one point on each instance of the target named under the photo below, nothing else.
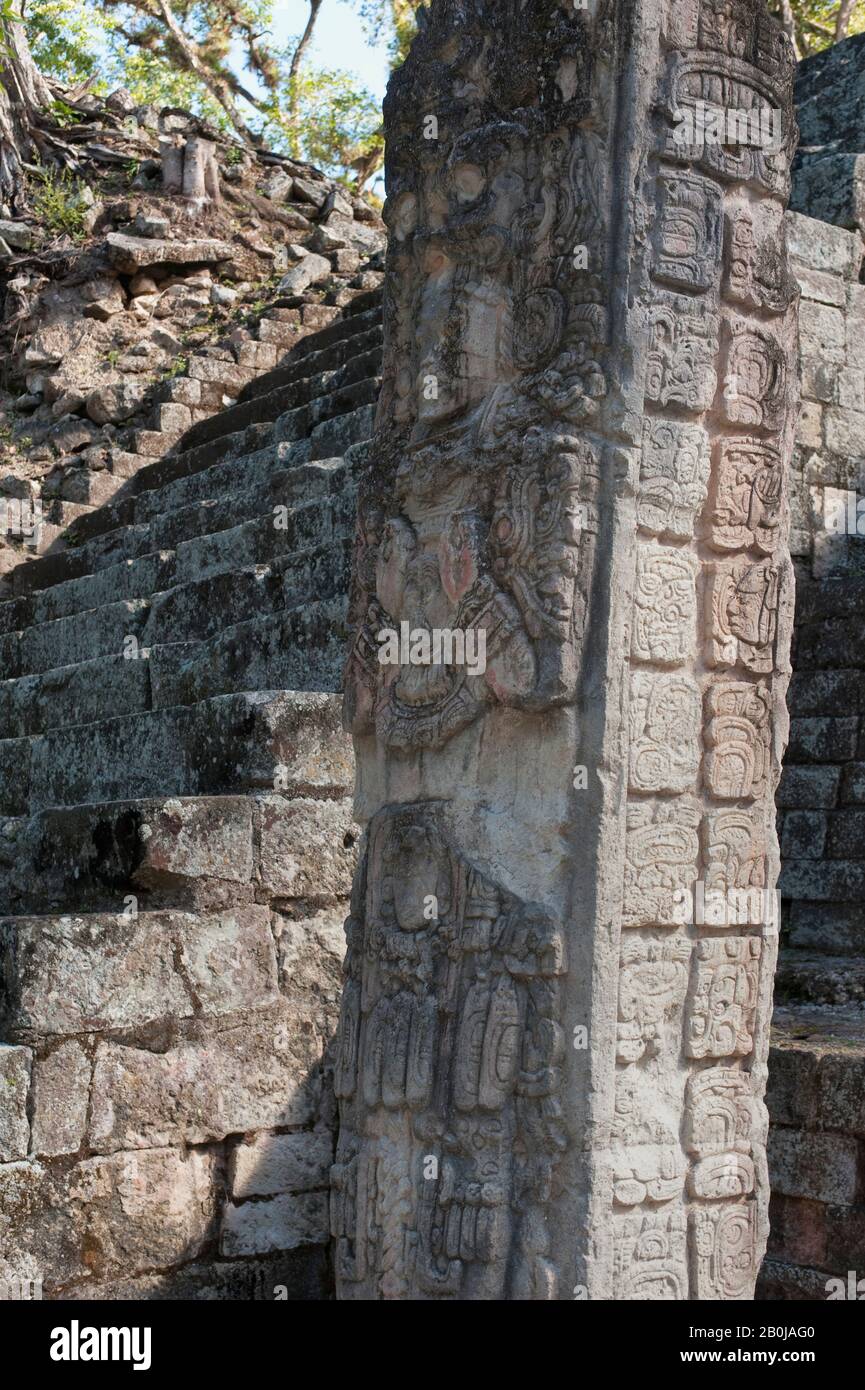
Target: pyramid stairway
(176, 848)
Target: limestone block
(62, 1091)
(820, 1166)
(307, 849)
(260, 1073)
(278, 1223)
(270, 1164)
(133, 253)
(309, 271)
(15, 1065)
(87, 974)
(84, 974)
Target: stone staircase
(816, 1090)
(176, 851)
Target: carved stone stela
(588, 402)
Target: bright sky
(339, 42)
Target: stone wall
(176, 850)
(829, 172)
(816, 1092)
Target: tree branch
(215, 82)
(842, 23)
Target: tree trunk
(842, 23)
(788, 20)
(23, 92)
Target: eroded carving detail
(674, 475)
(661, 860)
(738, 734)
(449, 1050)
(755, 376)
(665, 732)
(719, 1127)
(724, 1251)
(723, 1000)
(747, 495)
(665, 605)
(689, 232)
(683, 345)
(651, 1256)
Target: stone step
(368, 339)
(75, 694)
(192, 533)
(180, 852)
(96, 632)
(130, 579)
(130, 509)
(121, 970)
(293, 394)
(231, 743)
(202, 608)
(122, 511)
(121, 627)
(813, 979)
(303, 649)
(320, 352)
(278, 626)
(337, 435)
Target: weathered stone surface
(78, 974)
(829, 172)
(309, 271)
(310, 951)
(88, 974)
(132, 253)
(119, 1215)
(110, 404)
(308, 849)
(275, 1163)
(61, 1096)
(261, 1073)
(536, 821)
(278, 1223)
(15, 1065)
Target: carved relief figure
(665, 605)
(746, 500)
(742, 614)
(522, 578)
(449, 1050)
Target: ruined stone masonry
(169, 1131)
(588, 406)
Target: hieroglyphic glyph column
(572, 612)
